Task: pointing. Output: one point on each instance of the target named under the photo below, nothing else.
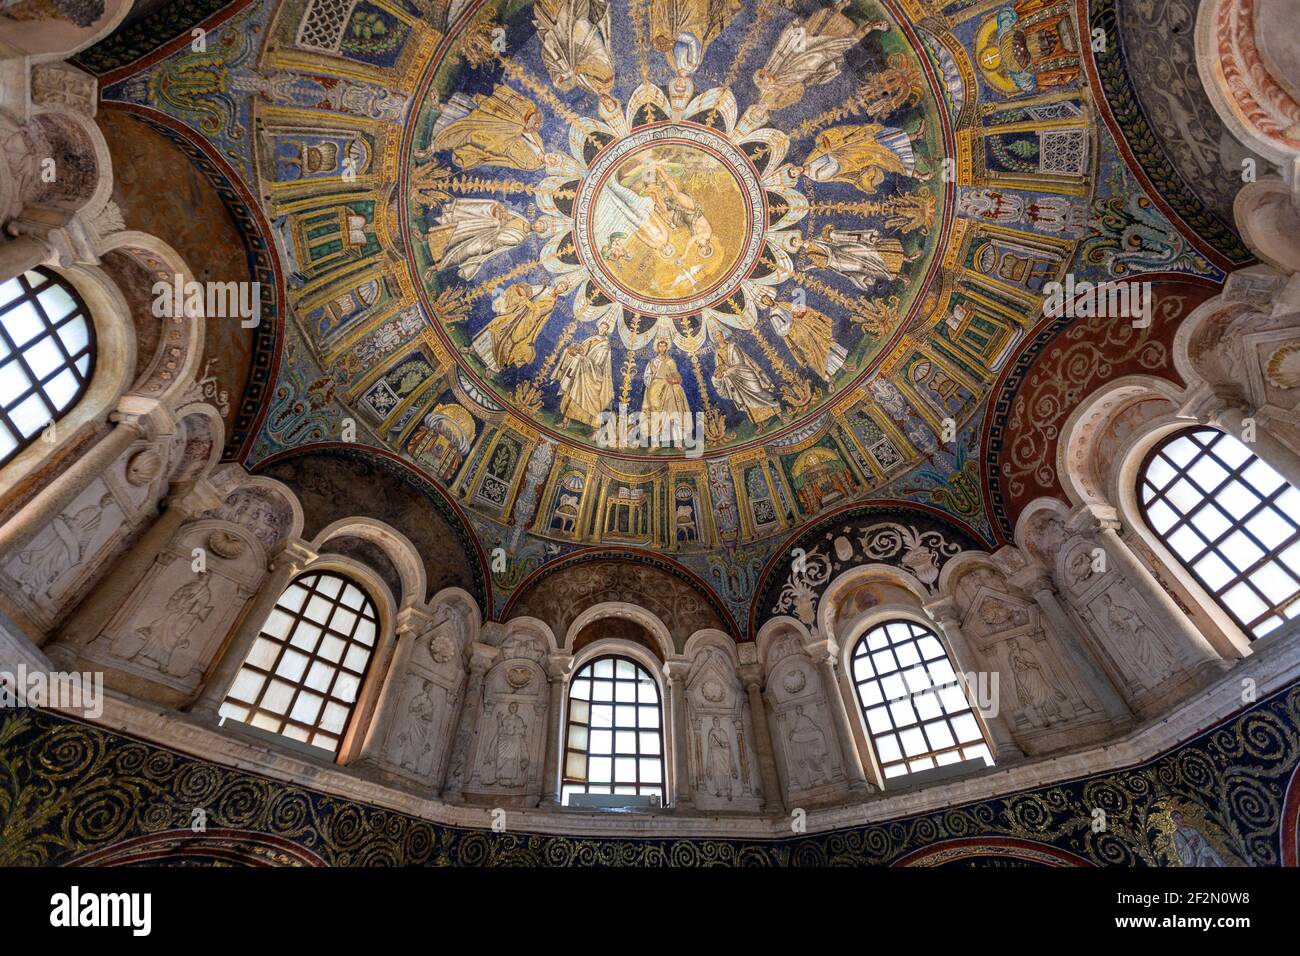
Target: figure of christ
(808, 53)
(586, 381)
(624, 213)
(860, 155)
(860, 255)
(739, 380)
(502, 128)
(472, 231)
(809, 334)
(521, 313)
(685, 211)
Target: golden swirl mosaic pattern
(76, 793)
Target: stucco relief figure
(1041, 700)
(157, 643)
(64, 547)
(860, 155)
(740, 380)
(502, 128)
(521, 313)
(574, 37)
(472, 231)
(1191, 846)
(508, 749)
(721, 773)
(1138, 643)
(809, 52)
(416, 740)
(859, 255)
(585, 377)
(809, 334)
(808, 748)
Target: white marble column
(823, 654)
(751, 675)
(944, 614)
(675, 673)
(558, 667)
(1038, 584)
(284, 568)
(471, 708)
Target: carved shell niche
(1283, 368)
(225, 545)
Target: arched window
(303, 674)
(614, 738)
(916, 709)
(47, 354)
(1231, 520)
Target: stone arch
(385, 549)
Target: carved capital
(558, 666)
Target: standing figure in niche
(521, 313)
(574, 36)
(508, 749)
(808, 53)
(417, 739)
(40, 566)
(720, 762)
(1139, 643)
(502, 128)
(1032, 687)
(808, 744)
(187, 608)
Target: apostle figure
(521, 312)
(472, 231)
(683, 29)
(502, 128)
(860, 255)
(809, 334)
(586, 382)
(574, 36)
(860, 155)
(739, 379)
(720, 762)
(508, 749)
(808, 53)
(664, 394)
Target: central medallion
(669, 219)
